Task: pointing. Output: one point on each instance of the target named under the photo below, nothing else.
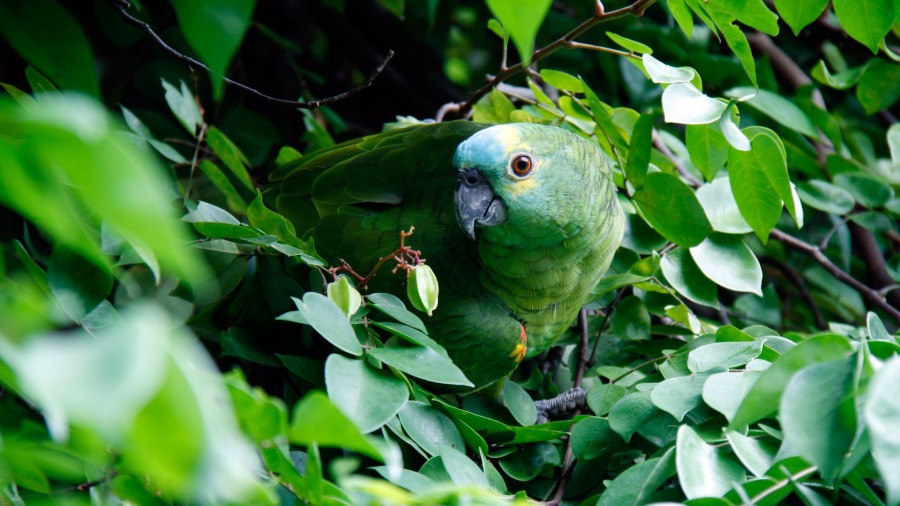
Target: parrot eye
(521, 165)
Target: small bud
(422, 289)
(344, 295)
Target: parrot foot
(566, 401)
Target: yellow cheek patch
(523, 186)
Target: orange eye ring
(521, 165)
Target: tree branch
(122, 5)
(636, 9)
(873, 296)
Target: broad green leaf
(666, 74)
(181, 103)
(721, 208)
(778, 108)
(423, 363)
(749, 174)
(639, 150)
(682, 314)
(141, 130)
(521, 20)
(867, 21)
(631, 320)
(230, 155)
(818, 414)
(77, 285)
(562, 81)
(727, 261)
(724, 391)
(495, 26)
(208, 213)
(869, 191)
(430, 428)
(728, 124)
(882, 417)
(630, 413)
(410, 334)
(519, 403)
(682, 14)
(752, 13)
(367, 396)
(826, 197)
(273, 223)
(876, 329)
(687, 279)
(47, 36)
(756, 454)
(679, 395)
(495, 107)
(317, 421)
(684, 103)
(329, 321)
(671, 207)
(737, 41)
(592, 438)
(764, 397)
(631, 45)
(602, 396)
(393, 307)
(703, 469)
(839, 81)
(462, 470)
(727, 355)
(799, 13)
(215, 31)
(708, 148)
(263, 418)
(636, 484)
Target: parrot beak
(476, 203)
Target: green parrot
(518, 221)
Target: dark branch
(122, 5)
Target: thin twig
(200, 138)
(797, 280)
(122, 5)
(635, 9)
(609, 309)
(817, 255)
(661, 146)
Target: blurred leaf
(423, 363)
(461, 469)
(765, 396)
(77, 285)
(818, 413)
(867, 21)
(637, 483)
(317, 421)
(631, 320)
(368, 396)
(214, 31)
(869, 191)
(522, 21)
(882, 415)
(871, 92)
(826, 197)
(756, 455)
(183, 106)
(727, 261)
(799, 13)
(329, 321)
(671, 207)
(48, 37)
(704, 470)
(841, 80)
(592, 438)
(23, 99)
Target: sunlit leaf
(368, 396)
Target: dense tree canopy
(167, 337)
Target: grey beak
(476, 203)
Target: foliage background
(746, 355)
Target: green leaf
(764, 397)
(724, 391)
(672, 209)
(840, 81)
(636, 484)
(631, 45)
(868, 190)
(893, 141)
(687, 279)
(876, 329)
(704, 470)
(263, 418)
(799, 13)
(751, 176)
(727, 261)
(317, 421)
(756, 455)
(679, 395)
(181, 103)
(639, 150)
(684, 103)
(423, 363)
(521, 20)
(430, 428)
(48, 37)
(882, 417)
(738, 43)
(215, 31)
(631, 320)
(721, 208)
(562, 81)
(728, 124)
(780, 109)
(77, 285)
(367, 396)
(630, 413)
(519, 403)
(602, 396)
(592, 438)
(273, 223)
(393, 307)
(818, 414)
(752, 13)
(725, 355)
(867, 21)
(826, 197)
(230, 155)
(682, 15)
(461, 469)
(329, 321)
(410, 334)
(666, 74)
(708, 148)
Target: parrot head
(525, 180)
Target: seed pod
(422, 289)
